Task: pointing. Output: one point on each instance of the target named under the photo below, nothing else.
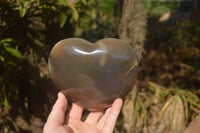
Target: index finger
(112, 115)
(57, 115)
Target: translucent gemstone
(93, 75)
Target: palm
(94, 123)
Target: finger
(75, 112)
(112, 116)
(57, 114)
(94, 117)
(103, 118)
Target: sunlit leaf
(193, 96)
(2, 58)
(160, 10)
(185, 101)
(75, 14)
(14, 52)
(11, 63)
(5, 44)
(176, 99)
(165, 107)
(81, 2)
(5, 102)
(143, 112)
(62, 19)
(7, 40)
(63, 2)
(24, 6)
(136, 108)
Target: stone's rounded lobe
(93, 75)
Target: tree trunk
(132, 27)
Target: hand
(96, 122)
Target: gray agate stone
(93, 75)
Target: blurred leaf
(120, 122)
(135, 113)
(14, 52)
(143, 112)
(185, 101)
(107, 7)
(5, 102)
(160, 10)
(8, 40)
(75, 14)
(63, 2)
(2, 58)
(24, 5)
(5, 44)
(62, 19)
(82, 2)
(46, 9)
(165, 107)
(79, 3)
(156, 8)
(176, 99)
(12, 63)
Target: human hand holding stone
(96, 122)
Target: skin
(96, 122)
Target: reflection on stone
(93, 75)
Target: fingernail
(58, 94)
(120, 102)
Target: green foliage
(75, 14)
(98, 19)
(190, 100)
(156, 7)
(24, 6)
(7, 51)
(63, 8)
(107, 9)
(174, 34)
(9, 57)
(62, 19)
(159, 99)
(16, 19)
(140, 108)
(63, 2)
(187, 34)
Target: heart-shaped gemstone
(93, 75)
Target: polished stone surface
(93, 75)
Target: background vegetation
(166, 35)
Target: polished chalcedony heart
(93, 75)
